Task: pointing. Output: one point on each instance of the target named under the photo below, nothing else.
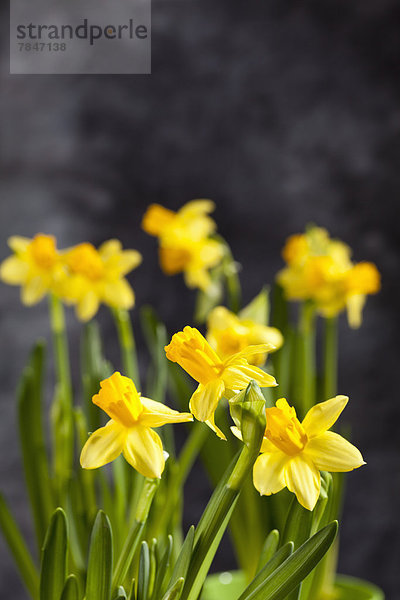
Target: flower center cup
(43, 250)
(85, 260)
(284, 429)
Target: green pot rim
(350, 588)
(364, 589)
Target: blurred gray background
(283, 112)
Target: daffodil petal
(354, 305)
(103, 446)
(110, 248)
(238, 376)
(119, 294)
(13, 270)
(33, 291)
(211, 424)
(269, 473)
(237, 433)
(331, 452)
(88, 306)
(18, 243)
(205, 399)
(197, 278)
(303, 479)
(156, 414)
(250, 351)
(128, 260)
(143, 450)
(266, 444)
(323, 415)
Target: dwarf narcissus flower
(216, 377)
(228, 334)
(320, 269)
(96, 276)
(294, 453)
(130, 430)
(35, 266)
(184, 240)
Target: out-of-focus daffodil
(320, 269)
(184, 240)
(215, 376)
(35, 265)
(294, 453)
(96, 276)
(130, 429)
(228, 334)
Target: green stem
(127, 344)
(134, 536)
(329, 383)
(215, 520)
(306, 358)
(62, 409)
(63, 371)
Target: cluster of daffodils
(82, 275)
(320, 269)
(185, 242)
(292, 453)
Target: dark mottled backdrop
(283, 112)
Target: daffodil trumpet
(294, 453)
(216, 377)
(130, 430)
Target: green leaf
(156, 337)
(218, 512)
(100, 563)
(162, 570)
(298, 524)
(18, 549)
(132, 593)
(33, 446)
(144, 572)
(71, 590)
(183, 560)
(153, 566)
(94, 368)
(54, 558)
(175, 591)
(135, 533)
(275, 561)
(290, 573)
(121, 594)
(269, 548)
(258, 309)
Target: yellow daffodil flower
(184, 242)
(294, 453)
(96, 276)
(320, 269)
(216, 376)
(130, 429)
(35, 266)
(228, 334)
